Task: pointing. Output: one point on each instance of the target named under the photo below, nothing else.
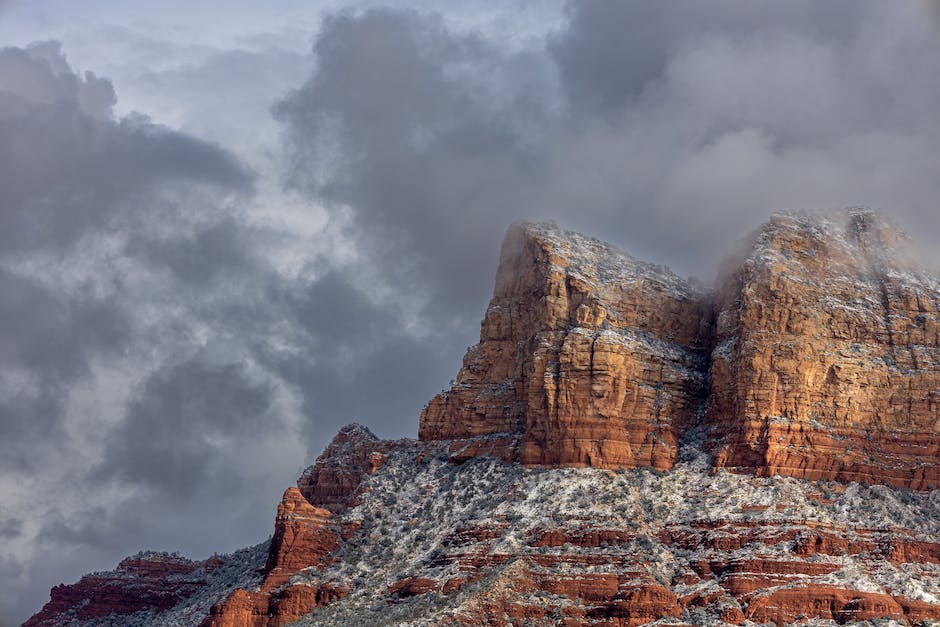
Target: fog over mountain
(227, 230)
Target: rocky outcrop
(827, 355)
(587, 357)
(147, 582)
(304, 537)
(331, 482)
(257, 608)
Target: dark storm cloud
(68, 169)
(48, 338)
(361, 364)
(182, 422)
(933, 9)
(201, 257)
(93, 211)
(611, 51)
(66, 166)
(668, 127)
(422, 132)
(10, 527)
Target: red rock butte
(574, 473)
(817, 356)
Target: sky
(229, 228)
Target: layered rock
(827, 355)
(587, 357)
(486, 543)
(148, 583)
(818, 356)
(331, 482)
(304, 537)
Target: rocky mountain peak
(622, 448)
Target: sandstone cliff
(150, 588)
(827, 355)
(307, 536)
(587, 357)
(817, 356)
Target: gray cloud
(182, 421)
(422, 131)
(46, 343)
(361, 364)
(200, 257)
(933, 9)
(104, 222)
(66, 166)
(611, 51)
(669, 127)
(69, 170)
(11, 527)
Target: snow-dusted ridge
(412, 511)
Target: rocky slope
(622, 448)
(152, 588)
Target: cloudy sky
(229, 228)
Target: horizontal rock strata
(587, 357)
(817, 356)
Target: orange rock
(413, 586)
(822, 344)
(262, 609)
(304, 537)
(638, 606)
(918, 611)
(587, 357)
(786, 605)
(335, 477)
(149, 581)
(827, 356)
(590, 587)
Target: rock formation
(576, 473)
(818, 357)
(148, 583)
(827, 356)
(587, 357)
(333, 479)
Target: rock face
(487, 542)
(587, 357)
(355, 452)
(306, 536)
(817, 357)
(148, 583)
(827, 356)
(576, 473)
